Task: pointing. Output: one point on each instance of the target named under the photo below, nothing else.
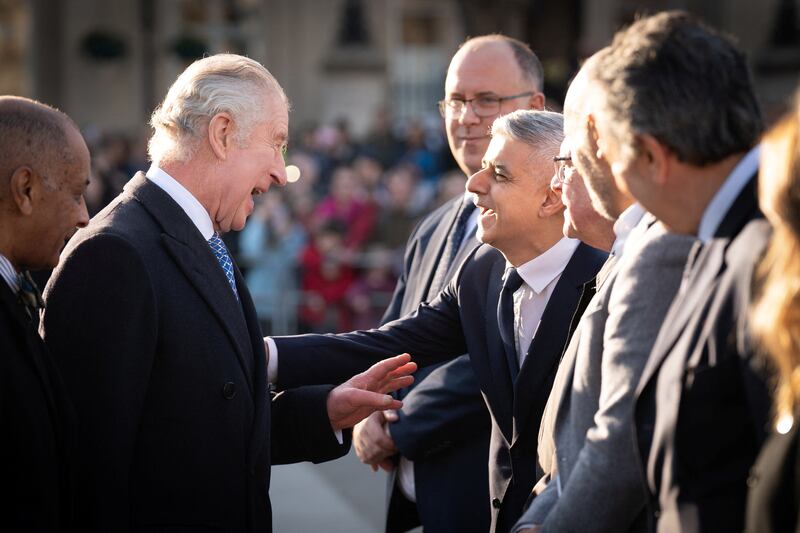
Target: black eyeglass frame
(445, 105)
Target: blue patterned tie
(221, 253)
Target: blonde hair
(776, 312)
(222, 83)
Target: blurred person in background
(269, 247)
(397, 215)
(347, 205)
(327, 274)
(774, 499)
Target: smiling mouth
(256, 192)
(485, 211)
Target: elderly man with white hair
(157, 338)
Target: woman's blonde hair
(776, 312)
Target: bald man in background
(44, 171)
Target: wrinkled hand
(365, 393)
(373, 442)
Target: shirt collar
(186, 200)
(543, 269)
(9, 274)
(727, 194)
(624, 225)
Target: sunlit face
(488, 69)
(595, 172)
(508, 190)
(580, 217)
(250, 169)
(629, 175)
(61, 207)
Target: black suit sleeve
(301, 429)
(444, 409)
(431, 334)
(103, 285)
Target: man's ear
(220, 134)
(536, 101)
(551, 205)
(21, 187)
(654, 159)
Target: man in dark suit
(509, 306)
(436, 447)
(157, 338)
(45, 170)
(702, 406)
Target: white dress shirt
(186, 200)
(624, 227)
(540, 276)
(723, 200)
(9, 274)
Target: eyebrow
(499, 167)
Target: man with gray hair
(587, 418)
(680, 126)
(157, 337)
(509, 306)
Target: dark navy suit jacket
(463, 319)
(37, 421)
(167, 370)
(702, 403)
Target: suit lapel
(502, 388)
(259, 361)
(547, 345)
(194, 258)
(437, 244)
(708, 266)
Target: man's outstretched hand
(365, 393)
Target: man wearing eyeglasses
(436, 447)
(586, 446)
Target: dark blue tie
(451, 248)
(29, 295)
(512, 281)
(221, 253)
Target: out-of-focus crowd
(322, 254)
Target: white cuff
(339, 437)
(272, 362)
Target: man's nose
(467, 115)
(476, 184)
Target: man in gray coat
(593, 481)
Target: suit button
(496, 503)
(229, 390)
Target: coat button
(229, 390)
(496, 503)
